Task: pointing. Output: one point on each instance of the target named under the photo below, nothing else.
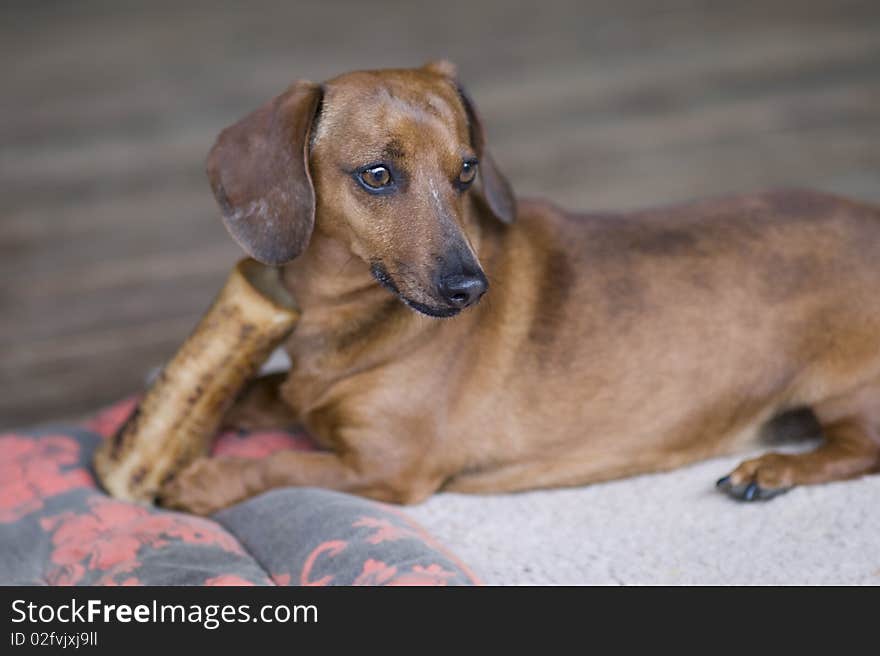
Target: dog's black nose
(462, 291)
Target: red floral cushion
(58, 528)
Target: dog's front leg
(210, 484)
(261, 406)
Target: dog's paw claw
(748, 491)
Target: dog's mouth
(380, 273)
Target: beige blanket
(671, 528)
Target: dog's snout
(460, 291)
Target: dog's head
(384, 160)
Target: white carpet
(671, 528)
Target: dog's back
(647, 339)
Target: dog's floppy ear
(259, 172)
(496, 189)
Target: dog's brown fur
(608, 344)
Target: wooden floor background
(110, 244)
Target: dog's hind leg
(851, 448)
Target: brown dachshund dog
(605, 344)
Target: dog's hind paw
(761, 478)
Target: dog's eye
(376, 177)
(468, 173)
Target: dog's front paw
(759, 479)
(207, 485)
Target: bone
(182, 410)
